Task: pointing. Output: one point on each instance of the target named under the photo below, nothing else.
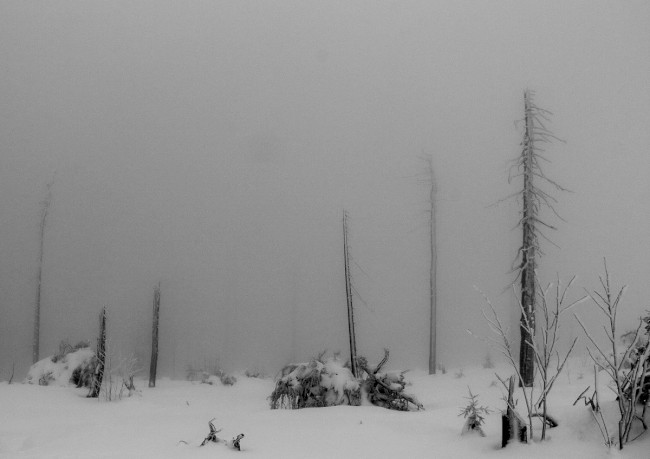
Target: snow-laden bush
(255, 373)
(321, 382)
(74, 367)
(212, 379)
(328, 382)
(209, 373)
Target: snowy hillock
(75, 367)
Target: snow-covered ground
(47, 422)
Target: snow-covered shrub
(321, 382)
(254, 374)
(219, 377)
(65, 348)
(227, 380)
(328, 382)
(487, 362)
(209, 372)
(636, 360)
(73, 367)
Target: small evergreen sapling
(474, 415)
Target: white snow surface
(60, 422)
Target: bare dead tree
(154, 336)
(45, 208)
(528, 165)
(98, 377)
(433, 266)
(348, 295)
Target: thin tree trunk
(433, 290)
(348, 294)
(101, 356)
(526, 354)
(37, 310)
(154, 337)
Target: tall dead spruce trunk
(533, 198)
(528, 252)
(433, 289)
(348, 295)
(45, 207)
(101, 356)
(154, 337)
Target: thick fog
(212, 147)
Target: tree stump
(512, 425)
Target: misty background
(212, 146)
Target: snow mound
(63, 371)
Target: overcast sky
(212, 146)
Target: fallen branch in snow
(212, 437)
(386, 389)
(595, 408)
(549, 420)
(593, 400)
(234, 443)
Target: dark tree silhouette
(433, 266)
(98, 377)
(348, 295)
(154, 337)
